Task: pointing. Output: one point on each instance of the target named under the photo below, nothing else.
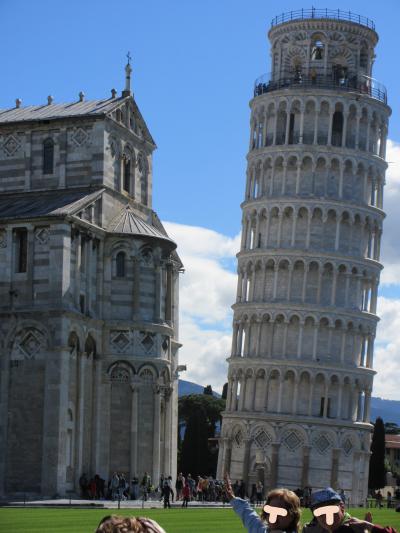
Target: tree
(391, 428)
(225, 391)
(377, 470)
(198, 415)
(208, 390)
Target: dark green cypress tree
(377, 471)
(225, 391)
(199, 414)
(208, 390)
(195, 454)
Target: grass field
(173, 520)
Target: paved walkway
(108, 504)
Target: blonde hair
(128, 524)
(292, 504)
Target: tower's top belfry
(324, 48)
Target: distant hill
(187, 387)
(388, 410)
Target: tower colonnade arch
(320, 226)
(324, 282)
(309, 174)
(298, 391)
(289, 120)
(303, 336)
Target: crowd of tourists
(280, 513)
(186, 488)
(118, 487)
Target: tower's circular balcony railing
(336, 14)
(360, 84)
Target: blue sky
(194, 64)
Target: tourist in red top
(186, 494)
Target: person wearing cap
(280, 514)
(330, 515)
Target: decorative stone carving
(114, 147)
(148, 341)
(120, 341)
(133, 342)
(120, 374)
(238, 438)
(262, 439)
(11, 144)
(147, 376)
(80, 137)
(322, 443)
(42, 235)
(3, 238)
(28, 344)
(165, 343)
(347, 446)
(292, 440)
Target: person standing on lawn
(330, 515)
(166, 494)
(280, 513)
(186, 494)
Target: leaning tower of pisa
(301, 368)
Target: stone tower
(301, 369)
(88, 298)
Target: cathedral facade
(88, 299)
(301, 368)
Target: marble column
(221, 453)
(169, 295)
(305, 466)
(335, 468)
(158, 291)
(136, 287)
(227, 455)
(156, 435)
(367, 407)
(246, 464)
(275, 463)
(97, 425)
(134, 431)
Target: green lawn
(173, 520)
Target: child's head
(128, 524)
(287, 515)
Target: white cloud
(208, 287)
(207, 291)
(390, 256)
(387, 350)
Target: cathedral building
(301, 368)
(88, 298)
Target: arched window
(127, 174)
(317, 50)
(337, 128)
(21, 249)
(142, 168)
(364, 57)
(48, 156)
(120, 264)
